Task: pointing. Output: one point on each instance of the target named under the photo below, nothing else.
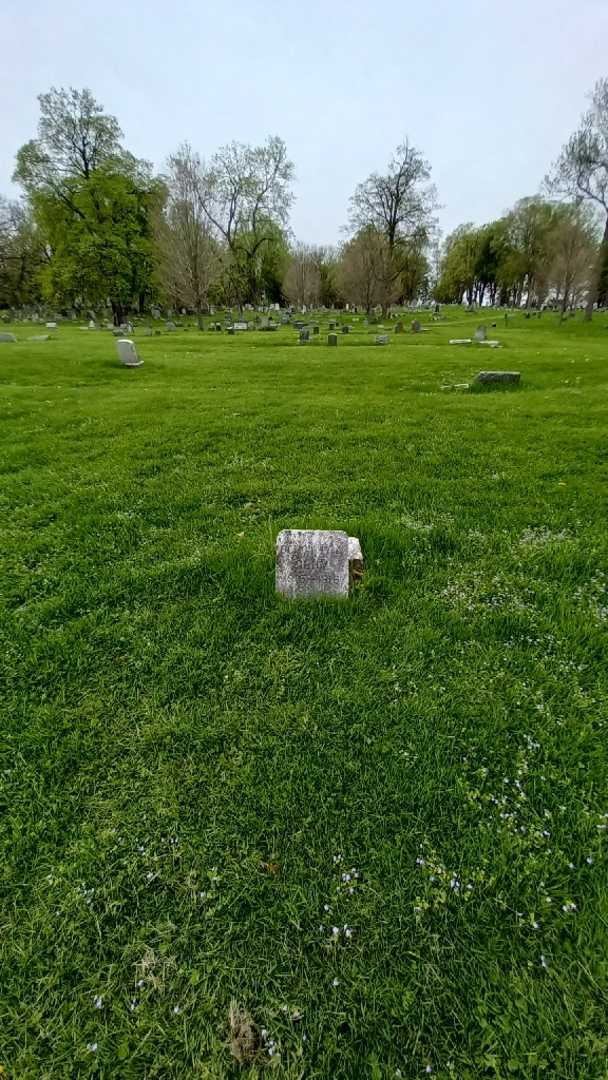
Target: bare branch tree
(581, 173)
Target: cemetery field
(374, 829)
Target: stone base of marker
(316, 562)
(461, 341)
(381, 339)
(498, 377)
(332, 339)
(8, 337)
(127, 353)
(355, 561)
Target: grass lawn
(199, 781)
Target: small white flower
(92, 1048)
(335, 931)
(336, 982)
(544, 962)
(176, 1010)
(326, 907)
(589, 860)
(429, 1069)
(98, 1001)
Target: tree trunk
(594, 284)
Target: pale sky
(488, 90)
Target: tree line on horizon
(96, 228)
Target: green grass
(190, 764)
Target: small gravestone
(127, 353)
(241, 326)
(498, 377)
(170, 326)
(7, 337)
(416, 327)
(315, 562)
(332, 324)
(316, 329)
(40, 337)
(92, 324)
(481, 333)
(51, 325)
(346, 329)
(461, 341)
(304, 336)
(399, 328)
(147, 331)
(155, 312)
(332, 339)
(490, 344)
(381, 339)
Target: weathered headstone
(399, 328)
(316, 329)
(480, 333)
(170, 326)
(381, 339)
(332, 324)
(241, 325)
(8, 337)
(127, 353)
(416, 327)
(346, 329)
(332, 339)
(51, 325)
(304, 336)
(92, 324)
(315, 562)
(498, 377)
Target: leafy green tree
(92, 202)
(21, 255)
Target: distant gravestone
(148, 331)
(381, 339)
(332, 339)
(416, 327)
(51, 325)
(346, 329)
(92, 324)
(127, 353)
(304, 336)
(40, 337)
(480, 333)
(241, 325)
(332, 324)
(155, 312)
(399, 328)
(498, 377)
(316, 329)
(314, 562)
(170, 326)
(461, 341)
(8, 337)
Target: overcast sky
(487, 90)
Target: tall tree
(92, 201)
(189, 256)
(246, 193)
(21, 255)
(364, 266)
(400, 205)
(581, 173)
